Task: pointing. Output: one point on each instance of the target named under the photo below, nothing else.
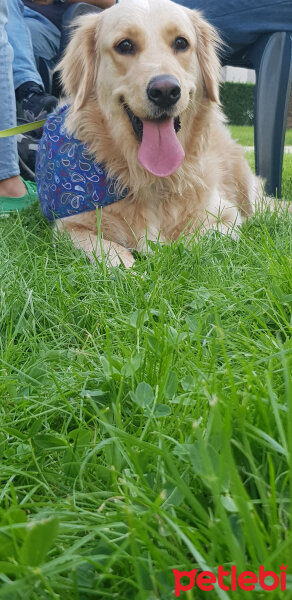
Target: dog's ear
(209, 43)
(79, 65)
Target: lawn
(146, 417)
(244, 135)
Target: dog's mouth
(137, 123)
(160, 151)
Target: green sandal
(13, 204)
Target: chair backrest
(45, 73)
(74, 11)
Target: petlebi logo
(246, 580)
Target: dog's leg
(93, 245)
(221, 216)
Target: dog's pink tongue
(160, 152)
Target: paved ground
(287, 149)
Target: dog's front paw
(114, 255)
(116, 259)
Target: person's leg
(241, 23)
(32, 101)
(46, 38)
(24, 66)
(13, 192)
(9, 169)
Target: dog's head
(146, 63)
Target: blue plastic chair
(72, 12)
(271, 57)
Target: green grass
(244, 135)
(146, 418)
(287, 173)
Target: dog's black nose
(164, 91)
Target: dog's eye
(125, 47)
(180, 44)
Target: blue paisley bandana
(68, 180)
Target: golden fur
(214, 186)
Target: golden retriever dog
(142, 82)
